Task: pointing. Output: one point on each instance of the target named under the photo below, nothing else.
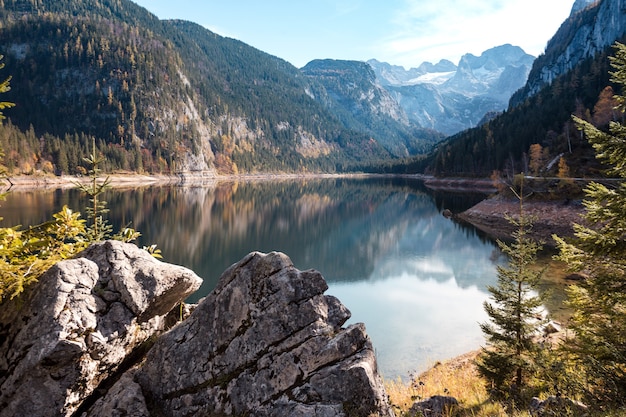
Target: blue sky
(401, 32)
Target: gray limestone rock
(435, 406)
(123, 399)
(83, 320)
(265, 342)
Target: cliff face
(265, 342)
(590, 29)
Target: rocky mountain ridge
(171, 97)
(570, 78)
(356, 97)
(449, 98)
(398, 105)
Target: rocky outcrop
(436, 406)
(265, 342)
(80, 324)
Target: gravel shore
(550, 217)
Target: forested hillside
(158, 96)
(504, 143)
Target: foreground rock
(80, 325)
(436, 406)
(265, 342)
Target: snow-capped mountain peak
(448, 97)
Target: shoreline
(484, 185)
(200, 178)
(121, 180)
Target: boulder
(435, 406)
(552, 327)
(577, 276)
(557, 405)
(265, 342)
(91, 339)
(81, 325)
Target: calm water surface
(416, 279)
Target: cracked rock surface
(84, 319)
(265, 342)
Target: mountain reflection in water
(416, 279)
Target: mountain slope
(591, 27)
(355, 96)
(161, 96)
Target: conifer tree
(99, 228)
(4, 87)
(508, 358)
(598, 340)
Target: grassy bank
(458, 378)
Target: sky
(400, 32)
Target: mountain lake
(415, 278)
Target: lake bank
(550, 217)
(489, 216)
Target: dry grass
(457, 378)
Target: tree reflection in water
(415, 278)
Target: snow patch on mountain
(436, 78)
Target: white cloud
(432, 30)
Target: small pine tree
(26, 254)
(513, 325)
(99, 228)
(598, 337)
